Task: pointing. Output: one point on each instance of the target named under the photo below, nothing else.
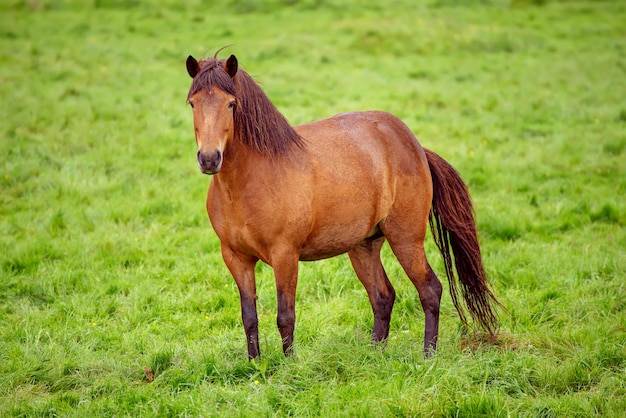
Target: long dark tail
(453, 226)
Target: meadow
(114, 300)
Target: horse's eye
(191, 104)
(232, 104)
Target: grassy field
(114, 300)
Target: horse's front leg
(286, 275)
(242, 269)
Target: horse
(283, 194)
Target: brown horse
(283, 194)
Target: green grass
(114, 300)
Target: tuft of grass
(607, 213)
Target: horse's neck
(241, 164)
(244, 167)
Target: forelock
(212, 73)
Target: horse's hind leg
(410, 253)
(365, 259)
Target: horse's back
(366, 147)
(373, 133)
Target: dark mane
(258, 124)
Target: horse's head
(212, 98)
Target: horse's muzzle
(210, 163)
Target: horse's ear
(192, 66)
(231, 66)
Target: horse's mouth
(209, 171)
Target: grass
(113, 296)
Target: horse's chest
(244, 228)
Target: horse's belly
(333, 240)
